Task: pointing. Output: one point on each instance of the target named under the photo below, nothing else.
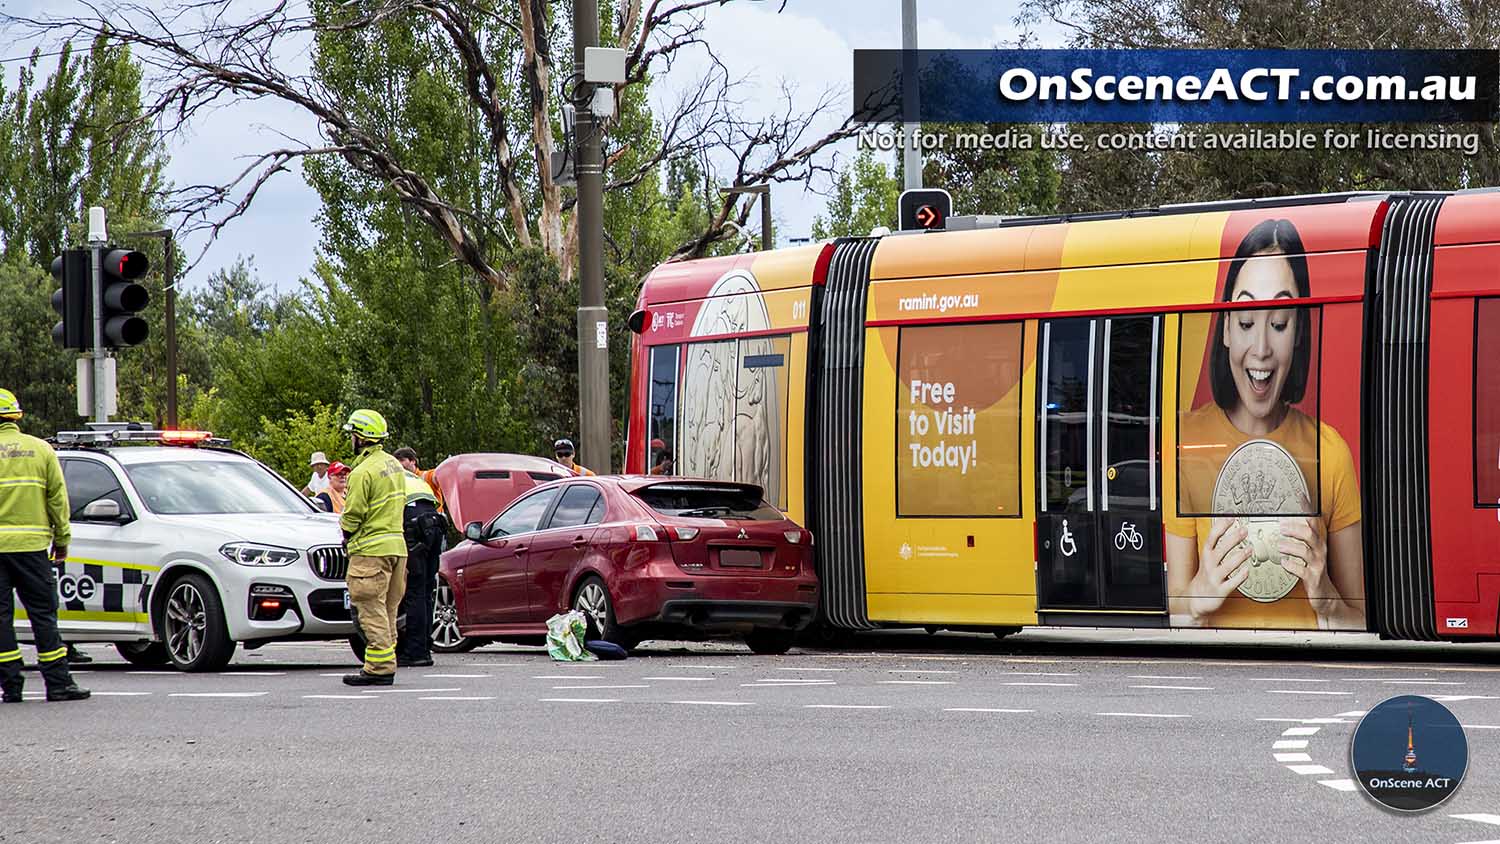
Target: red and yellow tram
(1270, 414)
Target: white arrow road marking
(1306, 770)
(1292, 757)
(1479, 817)
(1339, 785)
(1301, 731)
(1299, 744)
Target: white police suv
(183, 547)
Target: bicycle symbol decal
(1068, 546)
(1129, 535)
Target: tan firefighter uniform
(377, 551)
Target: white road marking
(1024, 683)
(1292, 757)
(1161, 677)
(217, 694)
(1452, 698)
(812, 669)
(1305, 692)
(794, 680)
(1285, 720)
(1465, 726)
(453, 676)
(728, 667)
(978, 709)
(841, 706)
(336, 674)
(1357, 713)
(1142, 715)
(579, 700)
(919, 671)
(337, 697)
(629, 686)
(455, 698)
(1290, 744)
(787, 685)
(1286, 680)
(567, 677)
(1309, 770)
(714, 702)
(407, 691)
(1339, 785)
(1426, 682)
(1480, 817)
(913, 682)
(1324, 721)
(1179, 688)
(1301, 731)
(118, 694)
(1041, 674)
(683, 679)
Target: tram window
(661, 422)
(1248, 440)
(958, 420)
(734, 413)
(1487, 402)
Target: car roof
(135, 454)
(633, 483)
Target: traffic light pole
(593, 317)
(911, 157)
(96, 289)
(170, 280)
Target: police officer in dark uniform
(425, 530)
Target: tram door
(1099, 502)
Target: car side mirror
(474, 532)
(103, 510)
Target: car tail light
(796, 537)
(682, 534)
(646, 533)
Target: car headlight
(255, 554)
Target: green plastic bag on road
(565, 632)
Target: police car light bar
(135, 433)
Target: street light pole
(593, 317)
(767, 242)
(911, 157)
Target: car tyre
(193, 628)
(144, 653)
(593, 600)
(770, 642)
(445, 636)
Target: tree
(1018, 180)
(863, 197)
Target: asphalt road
(1075, 736)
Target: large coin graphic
(1261, 477)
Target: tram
(1277, 414)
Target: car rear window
(714, 502)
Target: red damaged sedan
(639, 556)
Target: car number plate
(346, 599)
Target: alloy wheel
(594, 604)
(186, 623)
(445, 618)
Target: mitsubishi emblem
(743, 535)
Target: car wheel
(193, 626)
(144, 653)
(592, 599)
(445, 636)
(769, 642)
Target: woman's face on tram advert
(1259, 366)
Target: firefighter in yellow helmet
(376, 544)
(33, 518)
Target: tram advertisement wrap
(1266, 528)
(958, 435)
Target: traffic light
(924, 208)
(74, 301)
(122, 297)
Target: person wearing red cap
(332, 499)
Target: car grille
(329, 562)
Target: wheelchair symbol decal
(1066, 543)
(1129, 535)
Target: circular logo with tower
(1409, 753)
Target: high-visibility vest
(418, 490)
(373, 504)
(33, 500)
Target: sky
(807, 46)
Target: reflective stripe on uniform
(52, 656)
(14, 656)
(380, 654)
(370, 539)
(46, 529)
(24, 480)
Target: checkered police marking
(100, 590)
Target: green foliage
(1020, 180)
(33, 367)
(863, 197)
(285, 443)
